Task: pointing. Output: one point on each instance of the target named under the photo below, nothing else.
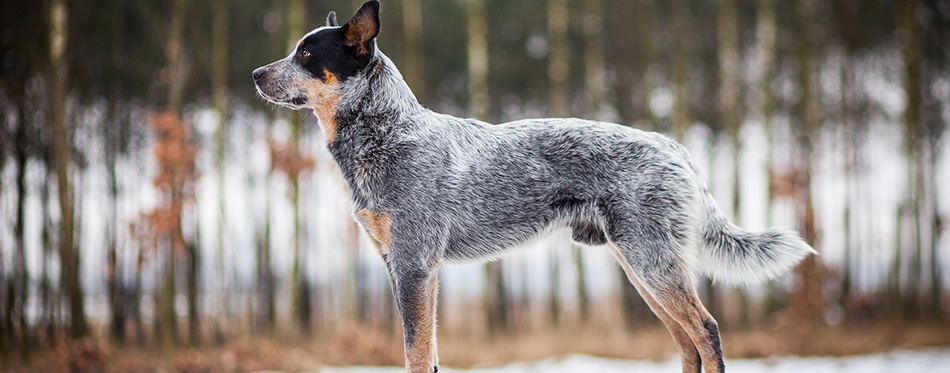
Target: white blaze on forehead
(314, 32)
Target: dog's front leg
(415, 286)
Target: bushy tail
(732, 254)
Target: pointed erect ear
(331, 19)
(364, 26)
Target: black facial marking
(325, 51)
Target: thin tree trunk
(559, 67)
(168, 327)
(219, 96)
(729, 95)
(496, 298)
(680, 66)
(848, 125)
(807, 298)
(20, 277)
(114, 143)
(136, 300)
(477, 59)
(414, 68)
(554, 301)
(57, 96)
(765, 41)
(47, 315)
(297, 10)
(266, 281)
(178, 71)
(936, 285)
(595, 69)
(908, 32)
(729, 89)
(648, 56)
(192, 279)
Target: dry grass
(353, 344)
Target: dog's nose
(258, 73)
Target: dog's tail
(732, 254)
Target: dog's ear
(364, 26)
(331, 19)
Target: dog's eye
(303, 53)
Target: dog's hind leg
(415, 287)
(688, 354)
(665, 277)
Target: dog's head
(311, 76)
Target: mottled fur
(431, 188)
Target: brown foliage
(287, 158)
(175, 181)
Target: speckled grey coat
(431, 188)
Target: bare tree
(559, 64)
(219, 98)
(908, 32)
(680, 67)
(56, 80)
(807, 298)
(414, 67)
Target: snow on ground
(936, 360)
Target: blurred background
(155, 213)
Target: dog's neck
(377, 96)
(375, 112)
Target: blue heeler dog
(430, 188)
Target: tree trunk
(192, 279)
(168, 326)
(729, 95)
(680, 66)
(729, 90)
(300, 298)
(115, 139)
(267, 287)
(219, 97)
(595, 69)
(765, 42)
(850, 128)
(20, 276)
(46, 299)
(57, 96)
(496, 298)
(648, 57)
(477, 59)
(807, 299)
(908, 33)
(559, 68)
(414, 67)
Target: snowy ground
(935, 360)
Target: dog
(430, 188)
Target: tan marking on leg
(378, 226)
(324, 97)
(684, 306)
(689, 356)
(422, 355)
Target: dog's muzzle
(258, 73)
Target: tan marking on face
(378, 226)
(422, 355)
(324, 98)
